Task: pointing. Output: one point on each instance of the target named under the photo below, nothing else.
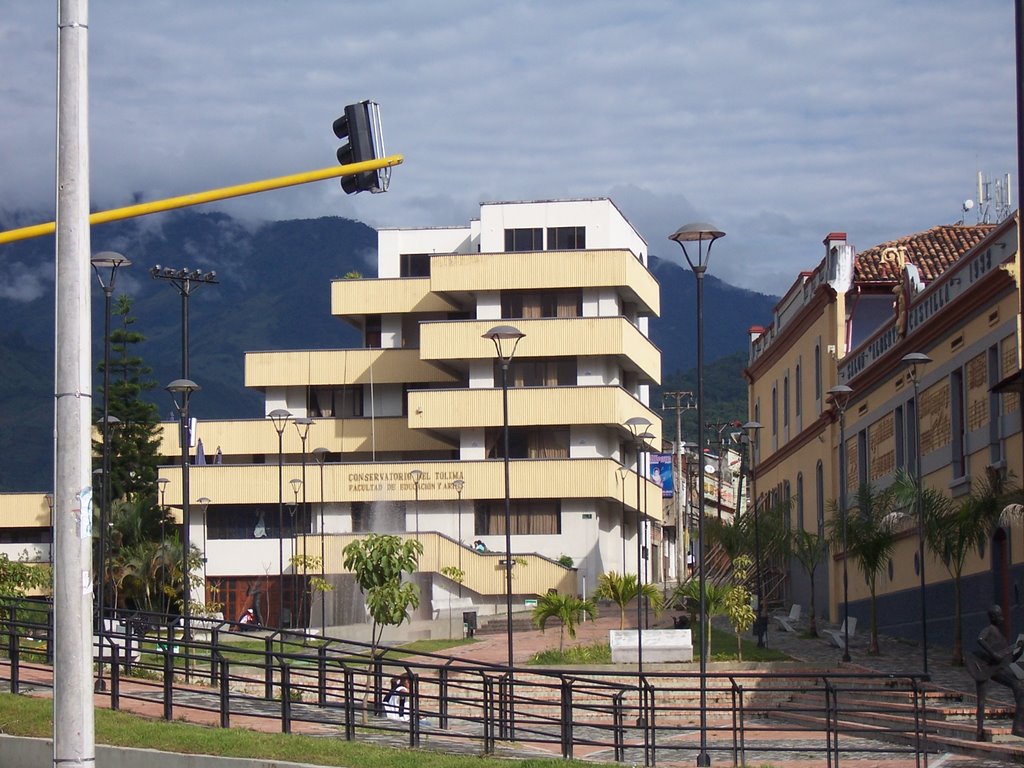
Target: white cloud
(779, 122)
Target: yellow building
(406, 432)
(951, 293)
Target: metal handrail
(296, 679)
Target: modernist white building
(422, 398)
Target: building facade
(406, 433)
(951, 293)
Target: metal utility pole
(682, 401)
(74, 739)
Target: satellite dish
(968, 204)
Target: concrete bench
(660, 645)
(837, 637)
(116, 635)
(788, 622)
(451, 607)
(202, 626)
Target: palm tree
(954, 530)
(809, 549)
(870, 539)
(568, 609)
(622, 589)
(716, 602)
(733, 536)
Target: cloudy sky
(777, 121)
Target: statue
(992, 661)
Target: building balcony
(337, 367)
(547, 270)
(24, 510)
(386, 296)
(578, 337)
(257, 437)
(390, 481)
(448, 409)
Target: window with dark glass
(798, 392)
(528, 443)
(528, 517)
(995, 446)
(531, 304)
(958, 434)
(524, 240)
(414, 265)
(243, 521)
(24, 535)
(542, 372)
(335, 402)
(371, 337)
(567, 238)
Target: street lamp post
(279, 417)
(163, 481)
(105, 265)
(506, 339)
(751, 428)
(623, 471)
(184, 388)
(840, 395)
(914, 361)
(637, 426)
(302, 424)
(320, 454)
(458, 484)
(296, 485)
(700, 233)
(416, 475)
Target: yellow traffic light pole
(184, 201)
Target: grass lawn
(29, 716)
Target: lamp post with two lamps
(320, 454)
(840, 395)
(915, 361)
(279, 417)
(700, 234)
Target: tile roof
(933, 251)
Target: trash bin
(469, 623)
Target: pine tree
(134, 441)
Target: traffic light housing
(360, 125)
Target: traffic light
(361, 126)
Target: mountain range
(272, 292)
